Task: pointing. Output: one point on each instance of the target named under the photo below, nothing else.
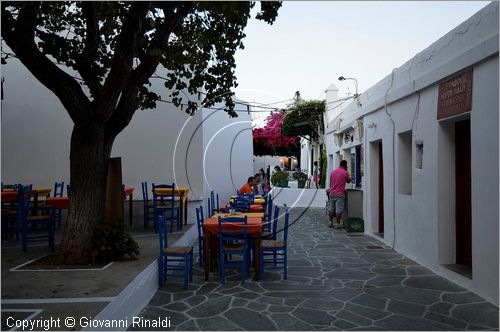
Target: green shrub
(279, 176)
(300, 176)
(111, 242)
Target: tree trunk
(89, 155)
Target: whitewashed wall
(421, 225)
(263, 161)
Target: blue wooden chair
(273, 253)
(173, 258)
(58, 192)
(166, 204)
(233, 242)
(215, 203)
(272, 225)
(9, 214)
(33, 228)
(199, 223)
(240, 207)
(148, 204)
(268, 213)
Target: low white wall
(294, 197)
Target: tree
(269, 140)
(114, 48)
(305, 118)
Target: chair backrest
(170, 198)
(68, 190)
(209, 207)
(275, 220)
(145, 195)
(245, 198)
(285, 226)
(23, 202)
(162, 233)
(269, 208)
(58, 189)
(213, 202)
(237, 229)
(199, 220)
(240, 206)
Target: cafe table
(240, 215)
(58, 202)
(10, 196)
(210, 231)
(182, 193)
(256, 200)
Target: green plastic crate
(355, 225)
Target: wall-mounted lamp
(356, 95)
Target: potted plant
(301, 178)
(280, 179)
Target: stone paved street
(335, 281)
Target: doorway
(380, 189)
(377, 188)
(463, 208)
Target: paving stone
(218, 323)
(321, 304)
(214, 295)
(210, 308)
(299, 262)
(386, 280)
(286, 322)
(195, 300)
(181, 296)
(370, 301)
(282, 287)
(302, 280)
(345, 294)
(366, 312)
(354, 284)
(406, 308)
(176, 306)
(419, 270)
(349, 274)
(409, 294)
(246, 295)
(269, 300)
(432, 282)
(441, 308)
(343, 324)
(295, 295)
(353, 318)
(279, 308)
(231, 290)
(189, 325)
(305, 272)
(239, 302)
(249, 320)
(293, 302)
(257, 306)
(445, 320)
(273, 276)
(401, 323)
(253, 287)
(461, 298)
(394, 271)
(478, 327)
(477, 313)
(160, 298)
(333, 283)
(312, 316)
(405, 261)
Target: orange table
(39, 192)
(210, 231)
(129, 192)
(183, 194)
(9, 196)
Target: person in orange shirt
(247, 187)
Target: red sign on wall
(455, 96)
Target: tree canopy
(304, 118)
(98, 59)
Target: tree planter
(283, 183)
(301, 184)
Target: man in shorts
(338, 178)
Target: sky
(312, 43)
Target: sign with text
(455, 96)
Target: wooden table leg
(206, 253)
(35, 203)
(257, 257)
(185, 213)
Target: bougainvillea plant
(269, 139)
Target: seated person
(247, 187)
(257, 186)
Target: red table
(58, 202)
(210, 230)
(9, 196)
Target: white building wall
(264, 161)
(421, 225)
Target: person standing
(315, 174)
(338, 179)
(268, 174)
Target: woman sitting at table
(257, 186)
(247, 187)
